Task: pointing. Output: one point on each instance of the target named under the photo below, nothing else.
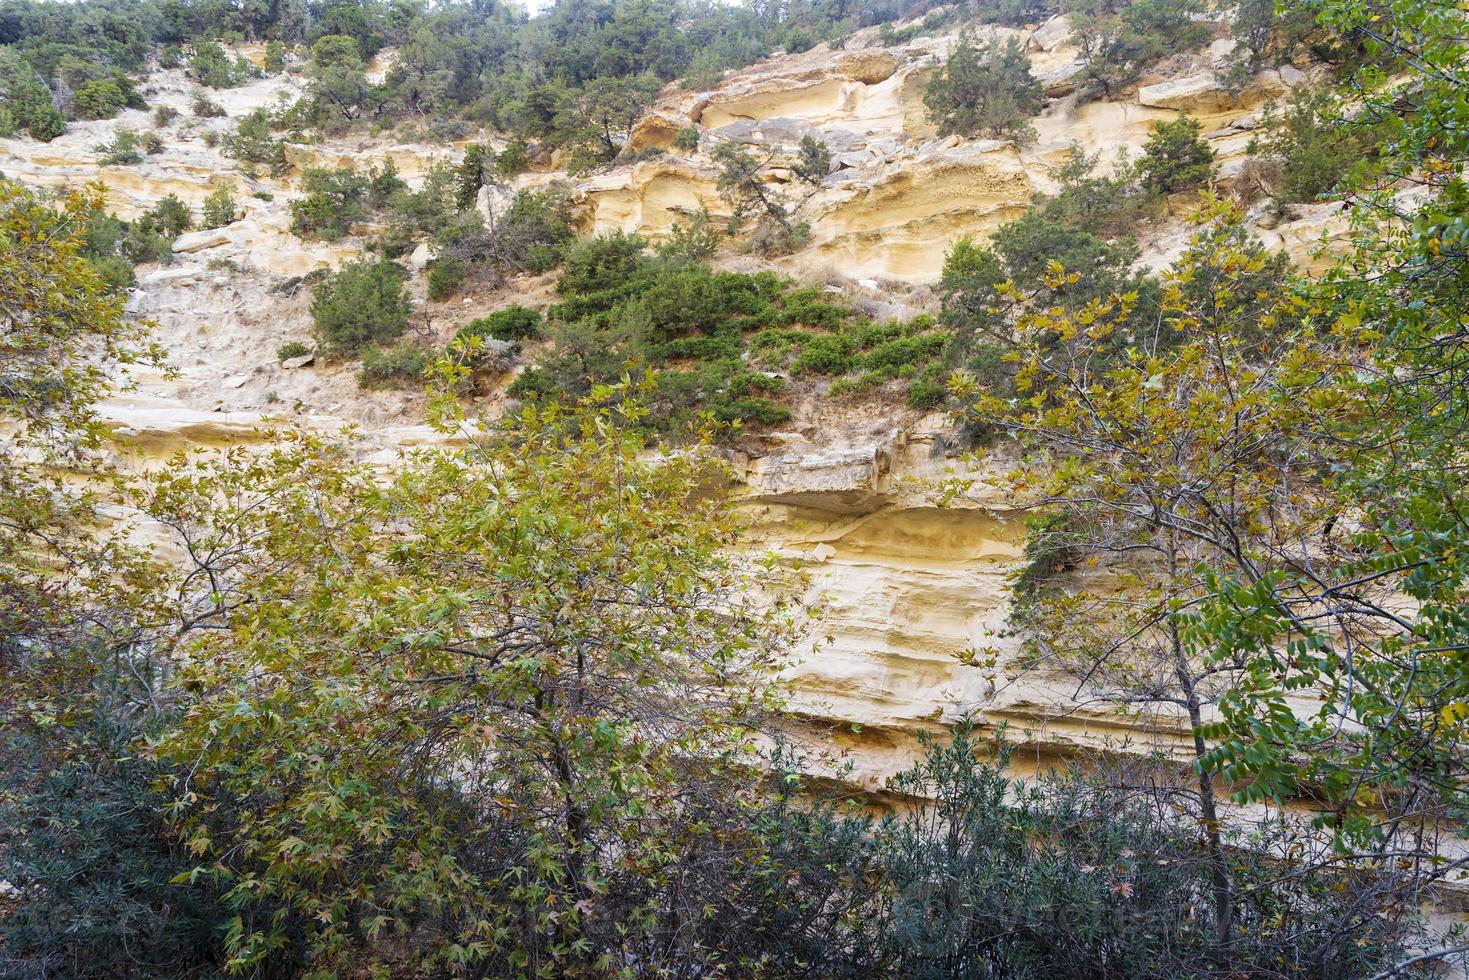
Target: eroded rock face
(907, 584)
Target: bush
(203, 107)
(363, 304)
(334, 201)
(115, 271)
(445, 277)
(798, 40)
(594, 265)
(398, 367)
(1175, 158)
(514, 322)
(88, 841)
(172, 216)
(985, 90)
(211, 66)
(219, 207)
(687, 138)
(121, 152)
(163, 115)
(151, 143)
(98, 100)
(513, 160)
(1313, 146)
(275, 57)
(290, 349)
(693, 242)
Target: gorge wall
(842, 496)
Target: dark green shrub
(1313, 145)
(692, 242)
(513, 160)
(172, 216)
(824, 354)
(219, 207)
(290, 349)
(275, 57)
(985, 90)
(151, 143)
(87, 840)
(334, 201)
(514, 322)
(163, 115)
(203, 107)
(397, 367)
(592, 265)
(687, 138)
(363, 304)
(121, 152)
(1175, 158)
(212, 66)
(445, 277)
(115, 271)
(98, 100)
(798, 40)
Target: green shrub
(275, 57)
(334, 201)
(363, 304)
(121, 152)
(593, 265)
(219, 207)
(514, 322)
(1313, 145)
(172, 216)
(163, 115)
(1175, 158)
(687, 138)
(106, 886)
(798, 40)
(513, 160)
(692, 242)
(151, 143)
(824, 354)
(985, 90)
(212, 66)
(203, 107)
(397, 367)
(290, 349)
(445, 277)
(98, 100)
(115, 271)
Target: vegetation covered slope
(515, 708)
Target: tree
(1118, 42)
(814, 163)
(489, 704)
(337, 76)
(1165, 466)
(363, 303)
(1374, 630)
(594, 121)
(1175, 158)
(985, 90)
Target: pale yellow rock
(868, 67)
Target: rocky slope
(906, 584)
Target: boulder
(868, 67)
(1203, 92)
(1063, 79)
(1052, 34)
(197, 241)
(291, 363)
